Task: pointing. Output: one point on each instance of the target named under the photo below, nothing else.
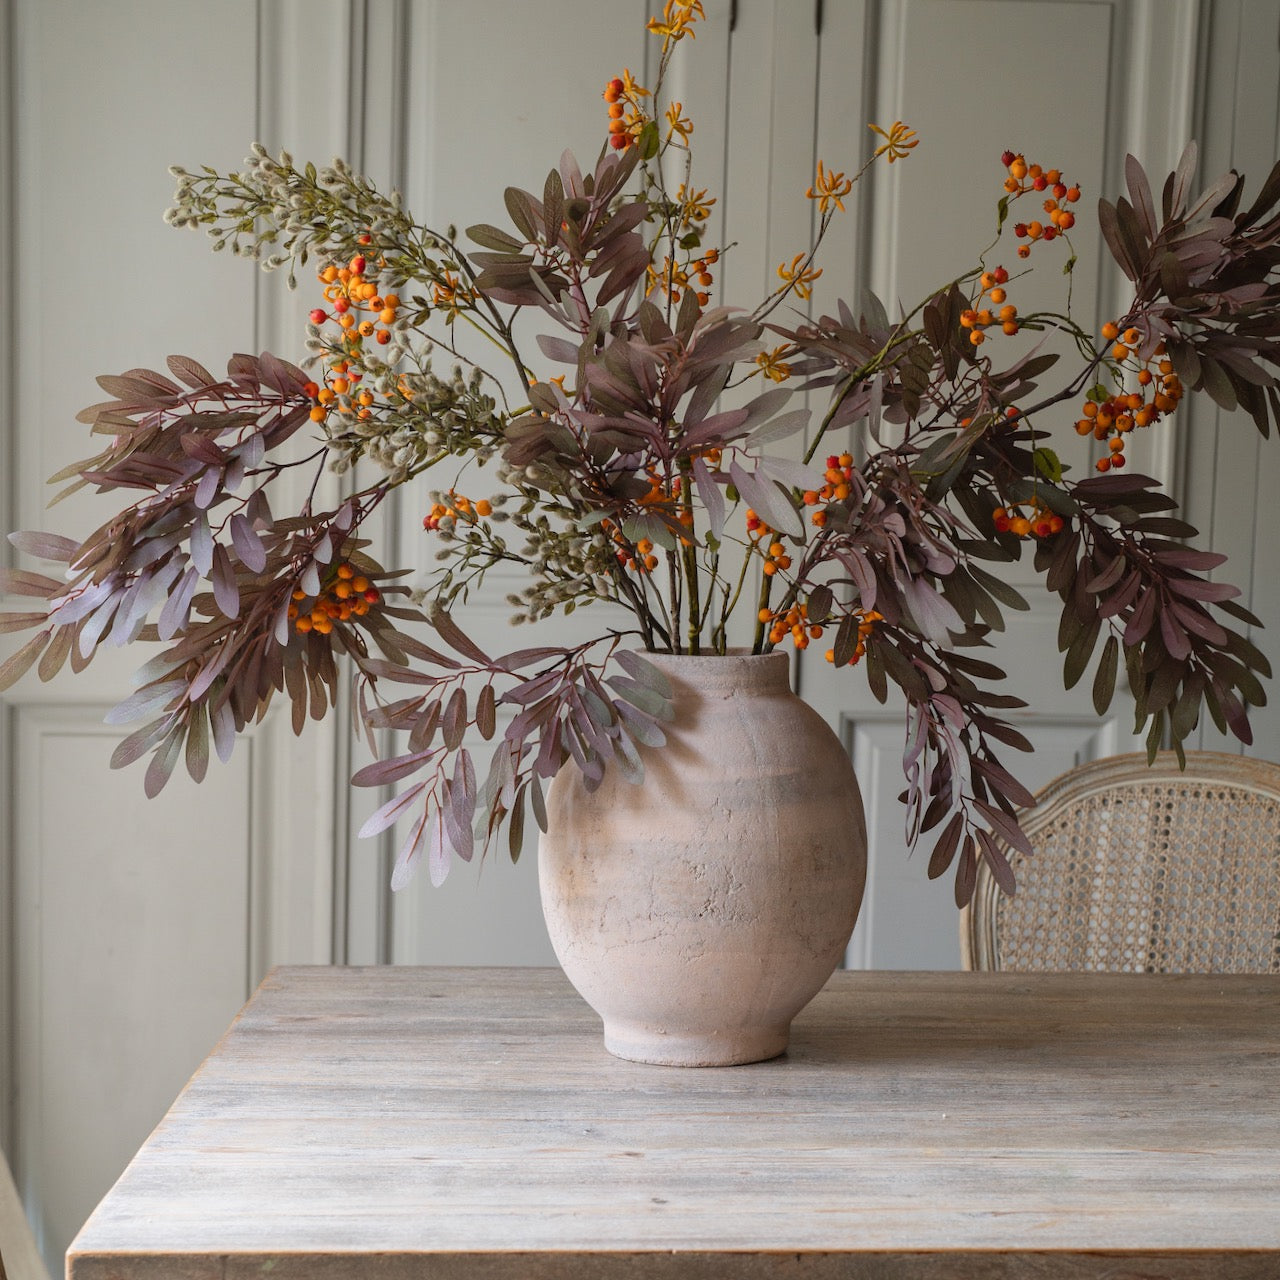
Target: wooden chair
(1140, 869)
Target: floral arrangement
(637, 462)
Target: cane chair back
(1140, 869)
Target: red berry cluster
(1025, 179)
(1026, 518)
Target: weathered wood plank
(414, 1122)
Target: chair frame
(979, 943)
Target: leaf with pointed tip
(642, 670)
(1104, 680)
(22, 582)
(411, 853)
(45, 546)
(457, 639)
(161, 767)
(13, 668)
(226, 593)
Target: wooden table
(378, 1124)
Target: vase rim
(738, 669)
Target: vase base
(686, 1049)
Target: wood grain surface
(388, 1123)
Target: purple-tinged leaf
(207, 489)
(768, 501)
(20, 621)
(1175, 638)
(226, 593)
(628, 759)
(391, 812)
(195, 375)
(22, 582)
(1140, 619)
(145, 701)
(456, 639)
(45, 546)
(1189, 558)
(381, 772)
(197, 745)
(1140, 194)
(934, 617)
(438, 855)
(523, 658)
(640, 726)
(454, 721)
(944, 851)
(410, 854)
(201, 544)
(176, 612)
(486, 717)
(458, 808)
(223, 722)
(646, 698)
(801, 475)
(1001, 871)
(424, 727)
(13, 668)
(538, 802)
(709, 494)
(1005, 827)
(140, 741)
(280, 629)
(96, 624)
(253, 555)
(1104, 679)
(515, 826)
(207, 674)
(310, 580)
(161, 767)
(966, 872)
(642, 670)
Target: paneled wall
(133, 930)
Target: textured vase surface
(700, 911)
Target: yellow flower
(897, 142)
(670, 279)
(684, 127)
(772, 365)
(828, 188)
(448, 293)
(695, 206)
(631, 89)
(676, 22)
(800, 278)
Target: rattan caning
(1140, 869)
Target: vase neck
(732, 672)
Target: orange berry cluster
(1026, 518)
(341, 391)
(978, 320)
(775, 556)
(839, 479)
(349, 292)
(347, 594)
(672, 278)
(624, 126)
(458, 508)
(1025, 179)
(865, 628)
(639, 558)
(1115, 417)
(794, 622)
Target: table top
(390, 1123)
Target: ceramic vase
(699, 911)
